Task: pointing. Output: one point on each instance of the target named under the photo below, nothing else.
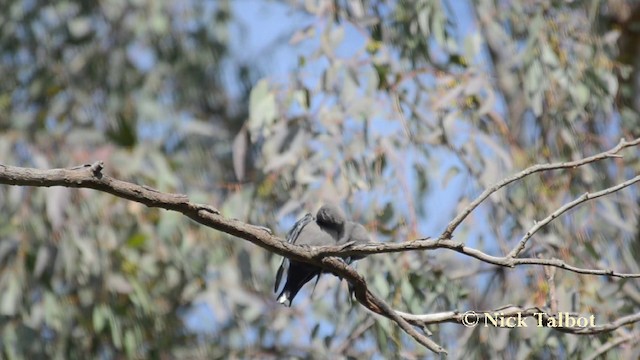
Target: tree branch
(432, 244)
(475, 317)
(451, 227)
(566, 207)
(611, 344)
(91, 176)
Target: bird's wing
(292, 236)
(279, 276)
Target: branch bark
(91, 176)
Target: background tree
(403, 112)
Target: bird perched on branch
(328, 227)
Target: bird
(328, 227)
(356, 234)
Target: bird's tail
(296, 278)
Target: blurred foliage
(398, 110)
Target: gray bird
(357, 234)
(329, 227)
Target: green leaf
(79, 27)
(314, 332)
(472, 45)
(116, 330)
(548, 56)
(381, 285)
(580, 93)
(99, 318)
(10, 297)
(123, 132)
(451, 173)
(239, 153)
(423, 20)
(136, 241)
(336, 36)
(387, 214)
(301, 97)
(262, 107)
(130, 343)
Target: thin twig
(432, 244)
(517, 250)
(356, 334)
(451, 227)
(611, 344)
(550, 273)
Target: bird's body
(355, 233)
(329, 227)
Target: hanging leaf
(239, 153)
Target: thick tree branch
(91, 176)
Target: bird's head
(330, 216)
